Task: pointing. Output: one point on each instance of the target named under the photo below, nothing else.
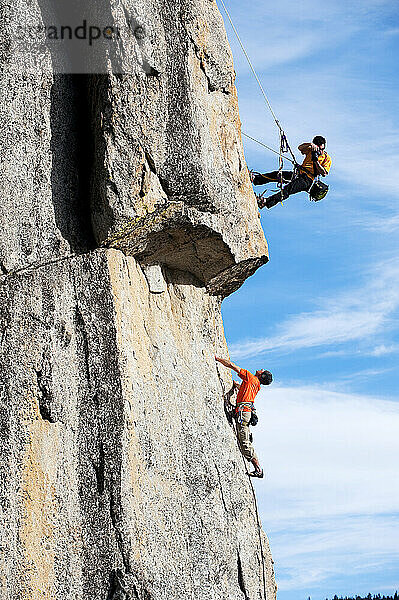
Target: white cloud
(337, 546)
(330, 501)
(383, 350)
(337, 441)
(308, 330)
(365, 375)
(342, 317)
(387, 224)
(274, 51)
(272, 37)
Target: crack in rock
(117, 589)
(99, 469)
(45, 398)
(241, 582)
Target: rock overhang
(181, 238)
(171, 183)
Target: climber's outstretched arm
(307, 147)
(228, 364)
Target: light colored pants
(243, 433)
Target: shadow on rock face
(72, 157)
(74, 56)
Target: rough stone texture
(119, 468)
(120, 476)
(44, 136)
(155, 148)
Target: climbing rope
(250, 63)
(257, 517)
(284, 145)
(256, 76)
(268, 147)
(234, 427)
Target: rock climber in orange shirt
(247, 391)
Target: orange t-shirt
(249, 388)
(323, 159)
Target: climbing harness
(241, 408)
(232, 423)
(246, 407)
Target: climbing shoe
(255, 177)
(261, 201)
(272, 200)
(257, 474)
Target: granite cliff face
(127, 216)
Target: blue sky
(322, 315)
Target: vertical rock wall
(119, 469)
(120, 477)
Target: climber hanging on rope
(316, 162)
(304, 177)
(247, 391)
